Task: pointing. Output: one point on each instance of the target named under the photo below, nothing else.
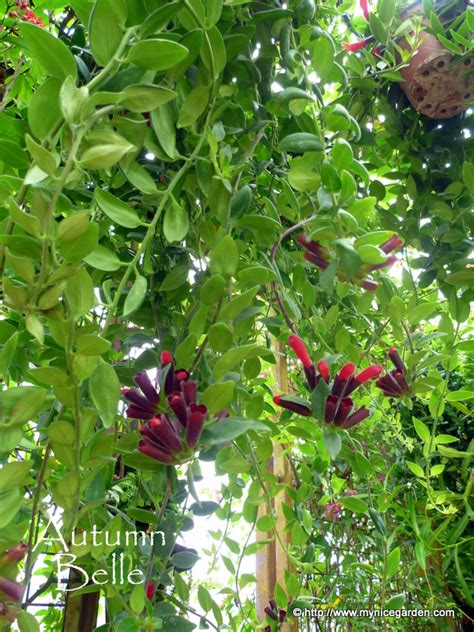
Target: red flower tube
(356, 418)
(300, 350)
(368, 374)
(317, 261)
(155, 453)
(323, 369)
(330, 408)
(166, 358)
(356, 46)
(197, 417)
(365, 8)
(391, 244)
(397, 360)
(343, 411)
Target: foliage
(158, 162)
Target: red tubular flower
(166, 358)
(355, 46)
(15, 554)
(269, 612)
(400, 378)
(196, 419)
(315, 260)
(386, 264)
(345, 407)
(333, 510)
(368, 374)
(150, 590)
(164, 429)
(13, 590)
(364, 5)
(341, 384)
(310, 374)
(371, 286)
(397, 360)
(356, 418)
(323, 369)
(347, 371)
(142, 407)
(391, 244)
(295, 407)
(300, 350)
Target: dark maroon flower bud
(356, 418)
(178, 406)
(153, 452)
(143, 381)
(273, 605)
(323, 368)
(152, 437)
(165, 430)
(134, 396)
(368, 374)
(15, 554)
(189, 390)
(401, 381)
(181, 375)
(269, 612)
(341, 380)
(310, 374)
(166, 358)
(295, 407)
(312, 246)
(300, 350)
(330, 408)
(397, 360)
(391, 244)
(315, 260)
(137, 412)
(389, 386)
(343, 411)
(267, 628)
(386, 264)
(371, 286)
(13, 590)
(197, 417)
(281, 615)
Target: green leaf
(175, 279)
(27, 622)
(175, 222)
(136, 296)
(386, 10)
(416, 469)
(10, 502)
(159, 18)
(184, 560)
(118, 211)
(377, 28)
(145, 98)
(49, 51)
(229, 429)
(103, 259)
(318, 399)
(44, 112)
(157, 54)
(105, 32)
(459, 396)
(90, 344)
(422, 429)
(104, 389)
(468, 175)
(193, 106)
(393, 562)
(371, 254)
(420, 554)
(422, 312)
(231, 358)
(80, 293)
(217, 397)
(105, 156)
(13, 475)
(323, 57)
(301, 142)
(356, 505)
(213, 289)
(163, 123)
(332, 441)
(224, 258)
(50, 375)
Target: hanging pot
(436, 82)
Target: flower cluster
(11, 592)
(274, 613)
(333, 511)
(394, 384)
(173, 426)
(320, 256)
(338, 406)
(25, 14)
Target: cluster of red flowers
(173, 427)
(275, 614)
(25, 14)
(320, 256)
(11, 592)
(339, 407)
(333, 511)
(395, 384)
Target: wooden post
(272, 560)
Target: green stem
(115, 61)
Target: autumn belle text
(117, 572)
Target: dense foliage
(183, 186)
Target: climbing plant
(198, 198)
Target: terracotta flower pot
(436, 81)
